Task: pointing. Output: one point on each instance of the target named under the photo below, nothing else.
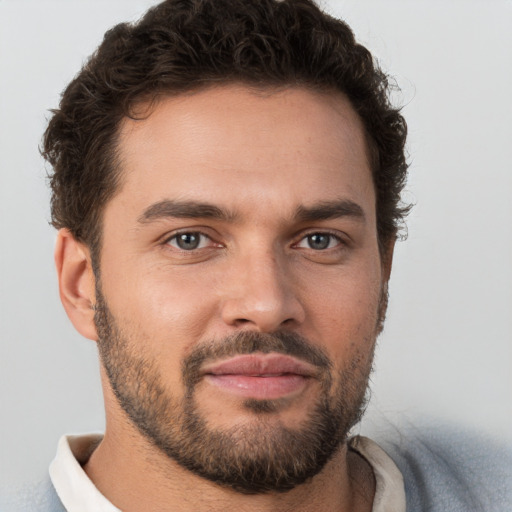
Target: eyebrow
(184, 210)
(326, 210)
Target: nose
(261, 295)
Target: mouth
(260, 376)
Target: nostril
(242, 321)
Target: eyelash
(332, 236)
(176, 236)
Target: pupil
(188, 241)
(319, 241)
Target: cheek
(169, 310)
(345, 312)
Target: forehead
(236, 145)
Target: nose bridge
(261, 292)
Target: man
(226, 185)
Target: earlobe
(76, 283)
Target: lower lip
(261, 388)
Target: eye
(319, 241)
(189, 241)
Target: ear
(76, 283)
(387, 259)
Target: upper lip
(260, 365)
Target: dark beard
(263, 456)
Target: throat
(362, 482)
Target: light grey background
(446, 353)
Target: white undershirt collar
(73, 486)
(79, 494)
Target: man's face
(241, 287)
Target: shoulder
(39, 496)
(446, 469)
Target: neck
(135, 476)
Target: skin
(258, 157)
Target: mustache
(249, 342)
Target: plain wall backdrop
(446, 352)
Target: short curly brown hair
(183, 45)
